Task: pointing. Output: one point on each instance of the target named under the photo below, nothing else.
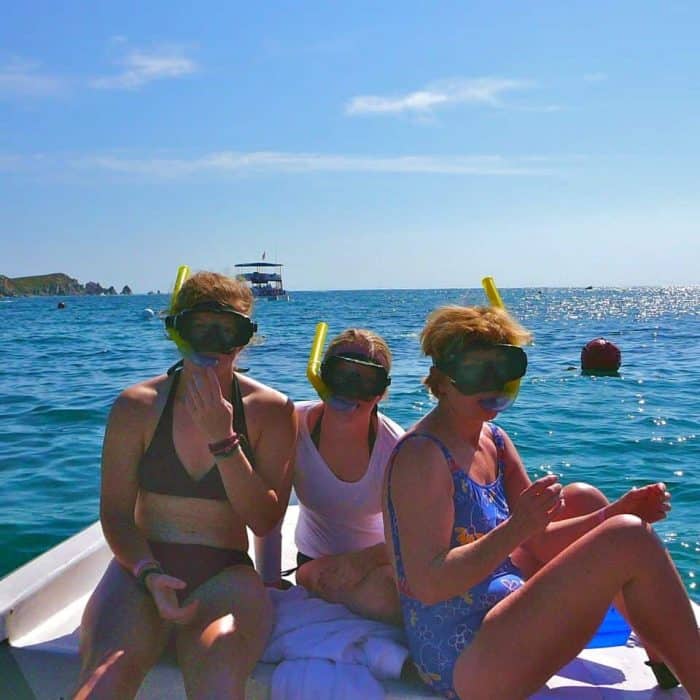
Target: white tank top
(337, 516)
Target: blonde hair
(373, 343)
(450, 330)
(212, 286)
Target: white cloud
(477, 91)
(141, 67)
(239, 164)
(24, 79)
(21, 78)
(230, 162)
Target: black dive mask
(230, 330)
(354, 376)
(484, 368)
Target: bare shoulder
(509, 450)
(140, 401)
(303, 408)
(132, 420)
(263, 401)
(513, 466)
(419, 463)
(494, 429)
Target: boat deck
(42, 602)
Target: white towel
(325, 651)
(319, 679)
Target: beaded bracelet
(225, 448)
(142, 564)
(227, 453)
(146, 571)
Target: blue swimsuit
(438, 633)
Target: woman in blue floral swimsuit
(499, 585)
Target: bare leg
(219, 649)
(121, 637)
(580, 499)
(356, 580)
(529, 630)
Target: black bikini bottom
(301, 560)
(196, 563)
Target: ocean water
(63, 368)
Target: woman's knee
(306, 575)
(626, 523)
(581, 498)
(241, 639)
(628, 535)
(250, 620)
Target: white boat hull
(42, 602)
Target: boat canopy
(258, 264)
(261, 277)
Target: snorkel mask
(229, 331)
(355, 376)
(195, 334)
(343, 380)
(485, 368)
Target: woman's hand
(162, 587)
(651, 503)
(535, 507)
(210, 411)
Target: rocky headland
(56, 284)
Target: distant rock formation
(56, 284)
(7, 287)
(97, 288)
(126, 289)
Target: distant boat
(264, 282)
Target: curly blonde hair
(212, 286)
(452, 329)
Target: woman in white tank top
(342, 450)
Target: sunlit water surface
(63, 368)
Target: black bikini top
(160, 469)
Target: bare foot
(341, 574)
(333, 575)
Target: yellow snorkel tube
(511, 388)
(183, 272)
(313, 367)
(492, 292)
(202, 359)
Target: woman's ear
(436, 381)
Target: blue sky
(362, 144)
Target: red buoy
(600, 355)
